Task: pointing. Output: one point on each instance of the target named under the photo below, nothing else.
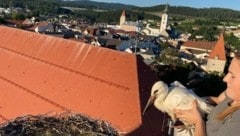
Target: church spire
(164, 20)
(123, 18)
(166, 9)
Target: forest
(177, 13)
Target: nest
(70, 125)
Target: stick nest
(70, 125)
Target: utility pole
(136, 42)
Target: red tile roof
(17, 22)
(200, 44)
(219, 49)
(40, 74)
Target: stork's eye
(155, 91)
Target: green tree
(18, 16)
(209, 33)
(169, 56)
(231, 41)
(2, 21)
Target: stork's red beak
(150, 102)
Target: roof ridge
(67, 69)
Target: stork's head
(158, 93)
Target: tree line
(176, 12)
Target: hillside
(216, 13)
(53, 7)
(196, 12)
(93, 4)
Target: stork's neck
(165, 95)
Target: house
(27, 23)
(110, 43)
(198, 49)
(90, 31)
(150, 31)
(213, 53)
(14, 23)
(42, 74)
(43, 27)
(140, 46)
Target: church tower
(217, 58)
(164, 21)
(123, 18)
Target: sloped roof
(41, 74)
(200, 44)
(27, 22)
(11, 21)
(219, 49)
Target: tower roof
(166, 9)
(43, 74)
(123, 13)
(219, 50)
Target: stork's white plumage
(177, 96)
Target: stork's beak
(150, 102)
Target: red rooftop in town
(41, 74)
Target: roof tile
(40, 74)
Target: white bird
(177, 96)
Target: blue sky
(230, 4)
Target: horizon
(186, 3)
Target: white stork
(177, 96)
